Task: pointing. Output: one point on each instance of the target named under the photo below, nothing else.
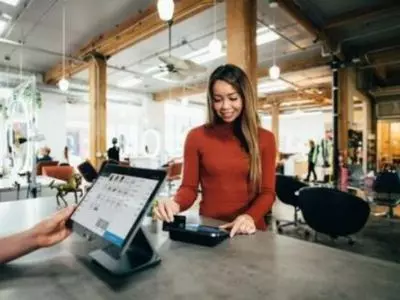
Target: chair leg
(315, 236)
(390, 213)
(350, 241)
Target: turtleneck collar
(224, 129)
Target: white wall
(52, 123)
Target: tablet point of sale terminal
(112, 212)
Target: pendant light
(274, 70)
(63, 84)
(165, 9)
(215, 45)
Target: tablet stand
(139, 256)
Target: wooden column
(98, 110)
(241, 21)
(344, 112)
(275, 122)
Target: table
(9, 192)
(262, 266)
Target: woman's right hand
(165, 210)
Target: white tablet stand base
(139, 256)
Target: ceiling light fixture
(6, 16)
(3, 26)
(63, 84)
(215, 45)
(10, 2)
(129, 82)
(165, 9)
(274, 72)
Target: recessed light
(6, 16)
(10, 2)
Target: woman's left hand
(243, 224)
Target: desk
(8, 190)
(262, 266)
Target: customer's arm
(46, 233)
(265, 199)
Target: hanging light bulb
(63, 84)
(215, 46)
(165, 9)
(274, 72)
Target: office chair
(333, 212)
(356, 175)
(387, 191)
(286, 188)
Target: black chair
(387, 191)
(333, 212)
(286, 188)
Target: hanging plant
(27, 94)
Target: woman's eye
(217, 100)
(233, 99)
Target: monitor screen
(113, 204)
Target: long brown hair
(246, 125)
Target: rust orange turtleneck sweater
(213, 156)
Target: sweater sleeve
(187, 192)
(262, 204)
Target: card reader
(198, 234)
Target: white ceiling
(41, 25)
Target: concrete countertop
(262, 266)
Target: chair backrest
(41, 164)
(174, 170)
(286, 188)
(59, 172)
(333, 212)
(387, 182)
(88, 171)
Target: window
(179, 120)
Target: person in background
(45, 154)
(113, 152)
(312, 159)
(44, 234)
(326, 151)
(65, 159)
(231, 156)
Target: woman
(231, 156)
(65, 160)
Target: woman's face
(227, 102)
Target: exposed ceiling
(39, 24)
(364, 33)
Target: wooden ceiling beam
(290, 66)
(136, 29)
(322, 96)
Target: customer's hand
(52, 230)
(165, 210)
(243, 224)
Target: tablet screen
(113, 204)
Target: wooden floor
(382, 209)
